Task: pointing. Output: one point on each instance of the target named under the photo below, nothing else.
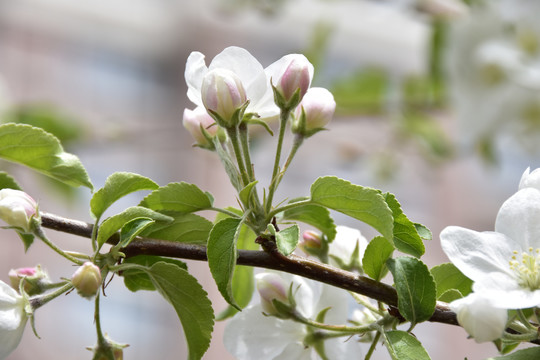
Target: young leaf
(116, 222)
(180, 197)
(450, 295)
(8, 182)
(136, 279)
(117, 186)
(447, 276)
(362, 203)
(131, 229)
(222, 255)
(424, 233)
(415, 288)
(403, 346)
(228, 164)
(42, 152)
(374, 261)
(191, 303)
(406, 238)
(314, 215)
(186, 228)
(287, 239)
(525, 354)
(245, 193)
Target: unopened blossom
(196, 122)
(315, 111)
(35, 279)
(271, 287)
(504, 264)
(17, 208)
(87, 279)
(291, 73)
(311, 239)
(222, 93)
(13, 319)
(246, 68)
(252, 335)
(476, 314)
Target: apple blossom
(223, 94)
(17, 208)
(13, 319)
(87, 279)
(271, 287)
(198, 121)
(311, 239)
(252, 335)
(504, 264)
(476, 314)
(36, 280)
(314, 111)
(246, 68)
(289, 74)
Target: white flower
(248, 70)
(479, 318)
(291, 72)
(12, 319)
(341, 250)
(252, 335)
(17, 208)
(505, 264)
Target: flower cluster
(504, 264)
(235, 86)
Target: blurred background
(438, 102)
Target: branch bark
(257, 258)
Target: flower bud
(311, 239)
(479, 318)
(223, 95)
(87, 279)
(17, 208)
(314, 112)
(35, 279)
(297, 75)
(108, 348)
(197, 122)
(13, 319)
(271, 287)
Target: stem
(287, 207)
(225, 211)
(373, 345)
(283, 117)
(233, 135)
(244, 139)
(298, 140)
(525, 321)
(40, 234)
(337, 328)
(94, 235)
(102, 343)
(40, 300)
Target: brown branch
(292, 264)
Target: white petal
(248, 69)
(251, 335)
(275, 70)
(335, 299)
(506, 293)
(295, 350)
(194, 74)
(12, 319)
(345, 242)
(343, 348)
(479, 318)
(518, 218)
(478, 253)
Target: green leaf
(450, 295)
(185, 228)
(415, 288)
(447, 276)
(406, 238)
(117, 186)
(525, 354)
(131, 229)
(374, 261)
(114, 223)
(8, 182)
(181, 197)
(423, 232)
(228, 164)
(403, 346)
(191, 303)
(362, 203)
(314, 215)
(222, 255)
(137, 279)
(42, 152)
(245, 193)
(287, 239)
(27, 239)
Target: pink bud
(194, 120)
(17, 208)
(271, 287)
(319, 107)
(223, 93)
(297, 75)
(35, 279)
(312, 239)
(87, 279)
